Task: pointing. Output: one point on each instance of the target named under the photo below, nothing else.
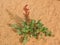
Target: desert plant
(29, 27)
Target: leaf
(24, 24)
(44, 29)
(39, 24)
(15, 26)
(19, 32)
(48, 33)
(35, 35)
(32, 23)
(25, 40)
(25, 30)
(38, 31)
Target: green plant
(30, 27)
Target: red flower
(26, 10)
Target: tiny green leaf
(39, 24)
(15, 26)
(32, 24)
(25, 40)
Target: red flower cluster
(26, 10)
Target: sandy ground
(46, 10)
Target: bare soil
(46, 10)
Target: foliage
(32, 30)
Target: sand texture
(46, 10)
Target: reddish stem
(26, 13)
